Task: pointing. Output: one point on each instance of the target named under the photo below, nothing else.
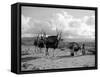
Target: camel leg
(76, 53)
(72, 52)
(47, 53)
(53, 52)
(40, 50)
(35, 49)
(83, 52)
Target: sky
(73, 23)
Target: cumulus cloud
(31, 27)
(89, 20)
(76, 28)
(70, 26)
(25, 23)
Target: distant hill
(27, 40)
(79, 40)
(88, 42)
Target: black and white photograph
(57, 38)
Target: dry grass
(38, 61)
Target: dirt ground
(39, 61)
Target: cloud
(25, 20)
(25, 23)
(62, 21)
(90, 20)
(76, 27)
(31, 26)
